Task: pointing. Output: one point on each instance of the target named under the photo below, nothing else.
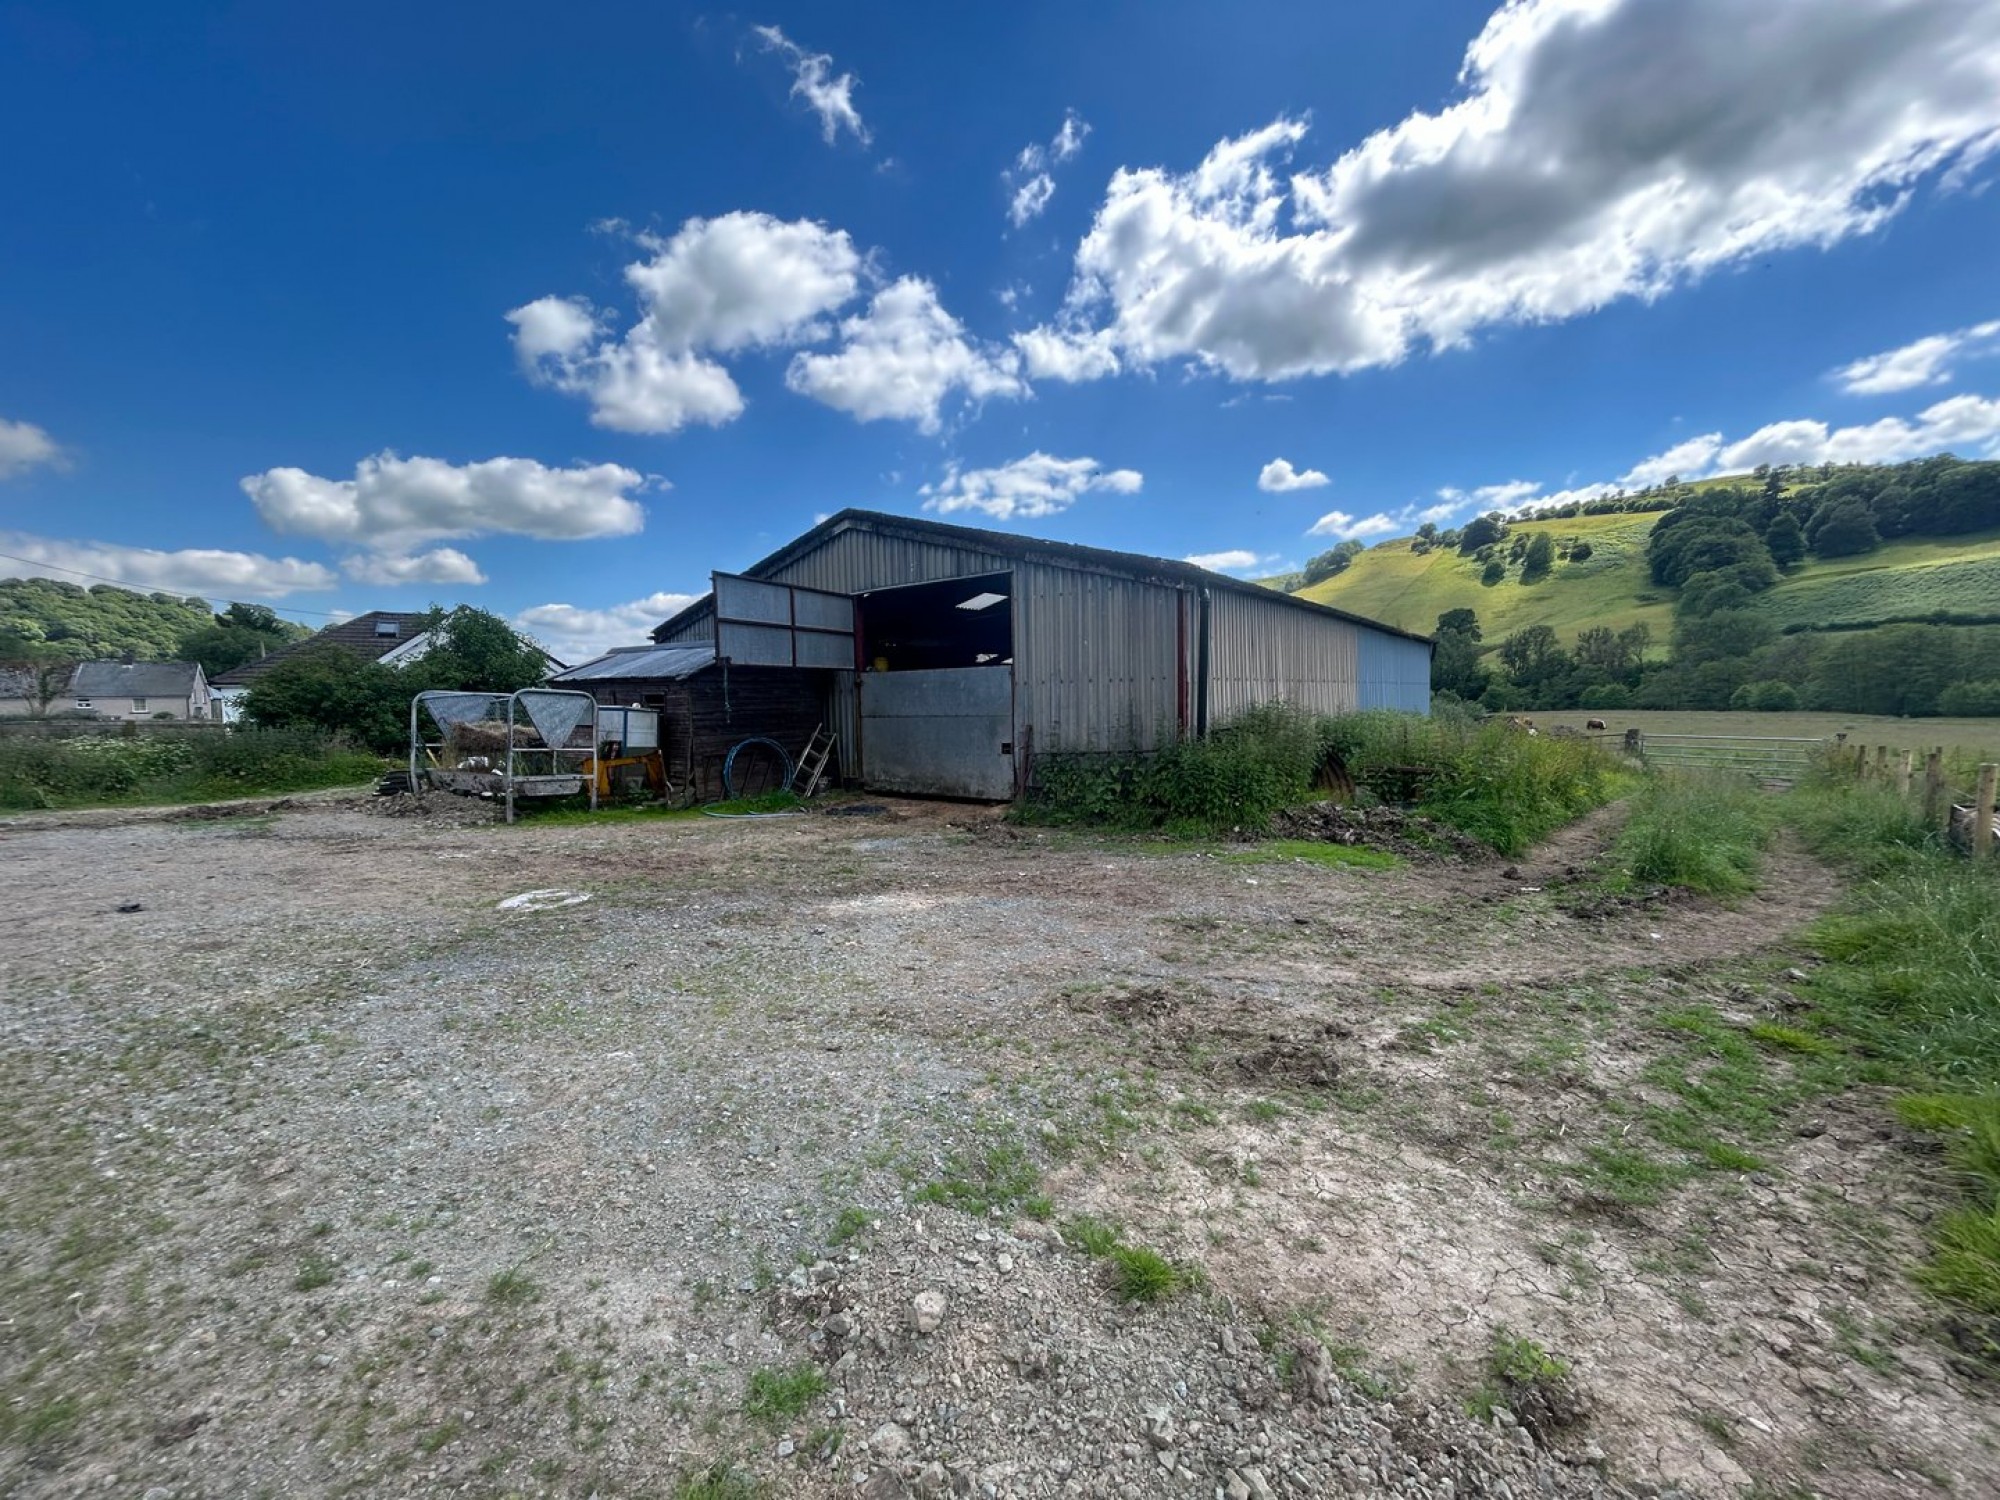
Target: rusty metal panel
(943, 732)
(1264, 651)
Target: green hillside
(1392, 583)
(1912, 577)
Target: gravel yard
(777, 1166)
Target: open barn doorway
(937, 689)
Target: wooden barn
(706, 706)
(946, 658)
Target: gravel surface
(788, 1158)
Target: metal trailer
(555, 714)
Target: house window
(138, 705)
(83, 703)
(390, 628)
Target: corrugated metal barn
(947, 657)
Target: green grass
(849, 1224)
(315, 1271)
(512, 1288)
(111, 770)
(998, 1176)
(1312, 852)
(1389, 582)
(775, 1397)
(1699, 833)
(719, 1481)
(1904, 579)
(1138, 1274)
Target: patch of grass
(1517, 1361)
(1627, 1176)
(1700, 833)
(719, 1481)
(1313, 852)
(779, 801)
(50, 1422)
(775, 1397)
(1138, 1274)
(999, 1177)
(1791, 1039)
(849, 1224)
(512, 1287)
(315, 1271)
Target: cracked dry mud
(325, 1176)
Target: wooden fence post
(1881, 762)
(1934, 808)
(1982, 811)
(1904, 764)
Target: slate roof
(357, 636)
(648, 663)
(142, 679)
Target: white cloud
(1602, 149)
(740, 281)
(1687, 459)
(1966, 425)
(1486, 497)
(1279, 477)
(576, 634)
(1030, 198)
(23, 446)
(394, 503)
(902, 358)
(1338, 523)
(1053, 354)
(1029, 178)
(831, 97)
(1437, 514)
(1235, 560)
(189, 570)
(1031, 487)
(440, 565)
(1926, 361)
(1069, 139)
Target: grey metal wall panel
(1395, 672)
(945, 732)
(758, 645)
(1262, 651)
(1097, 659)
(817, 611)
(747, 599)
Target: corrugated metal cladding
(1395, 672)
(1263, 650)
(1098, 655)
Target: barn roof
(1035, 549)
(650, 663)
(366, 636)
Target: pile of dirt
(1393, 830)
(440, 808)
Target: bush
(1766, 697)
(179, 767)
(1605, 695)
(1971, 700)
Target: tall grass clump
(1864, 827)
(1236, 778)
(184, 766)
(1701, 833)
(1505, 788)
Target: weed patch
(1000, 1177)
(775, 1397)
(512, 1288)
(1137, 1273)
(1700, 833)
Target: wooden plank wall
(702, 716)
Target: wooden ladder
(812, 764)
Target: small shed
(706, 705)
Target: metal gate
(1772, 756)
(945, 732)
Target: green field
(1979, 737)
(1612, 587)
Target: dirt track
(274, 1133)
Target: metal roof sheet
(655, 663)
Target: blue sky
(554, 310)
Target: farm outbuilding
(946, 658)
